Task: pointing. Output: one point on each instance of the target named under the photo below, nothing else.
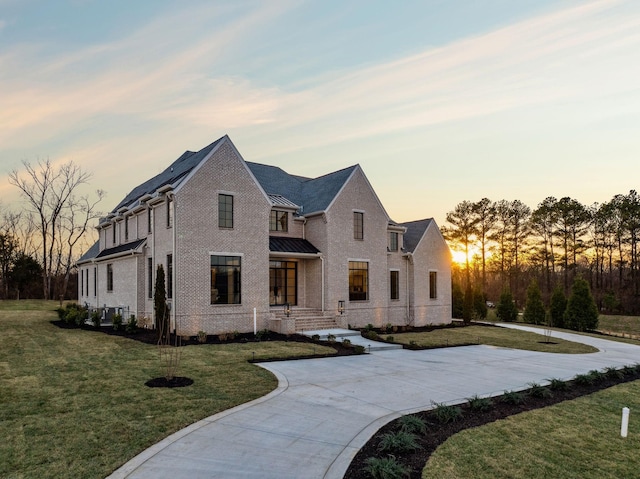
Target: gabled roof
(311, 194)
(173, 175)
(415, 232)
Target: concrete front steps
(354, 336)
(308, 319)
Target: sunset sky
(439, 101)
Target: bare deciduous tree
(61, 217)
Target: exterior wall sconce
(341, 307)
(287, 309)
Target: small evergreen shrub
(96, 318)
(584, 379)
(316, 337)
(558, 384)
(346, 343)
(386, 468)
(202, 337)
(445, 413)
(358, 349)
(389, 328)
(596, 376)
(538, 391)
(413, 424)
(331, 338)
(132, 325)
(613, 373)
(372, 335)
(262, 334)
(477, 403)
(513, 397)
(117, 322)
(399, 442)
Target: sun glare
(460, 258)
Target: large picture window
(433, 284)
(358, 280)
(225, 211)
(278, 221)
(358, 225)
(225, 279)
(394, 282)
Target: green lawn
(73, 402)
(494, 336)
(578, 439)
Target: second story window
(358, 225)
(169, 213)
(109, 277)
(393, 241)
(225, 211)
(126, 229)
(113, 233)
(279, 221)
(149, 220)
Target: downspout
(409, 258)
(153, 259)
(322, 287)
(174, 295)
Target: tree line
(507, 245)
(40, 243)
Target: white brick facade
(321, 274)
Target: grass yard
(73, 402)
(574, 439)
(501, 337)
(619, 324)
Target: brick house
(243, 242)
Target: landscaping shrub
(316, 337)
(358, 349)
(613, 373)
(132, 325)
(558, 384)
(538, 391)
(346, 343)
(581, 313)
(331, 338)
(398, 442)
(584, 379)
(477, 403)
(372, 335)
(506, 309)
(445, 413)
(117, 322)
(386, 468)
(513, 397)
(202, 337)
(96, 318)
(558, 307)
(534, 311)
(413, 424)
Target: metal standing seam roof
(123, 248)
(279, 244)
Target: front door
(283, 277)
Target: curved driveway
(324, 410)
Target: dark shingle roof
(90, 253)
(278, 244)
(123, 248)
(174, 173)
(311, 194)
(415, 232)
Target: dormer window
(279, 221)
(113, 233)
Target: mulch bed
(438, 433)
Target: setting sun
(459, 257)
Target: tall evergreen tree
(457, 301)
(534, 310)
(506, 309)
(558, 307)
(467, 311)
(160, 305)
(581, 313)
(479, 305)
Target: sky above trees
(438, 101)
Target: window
(95, 282)
(278, 221)
(394, 281)
(86, 278)
(113, 233)
(358, 280)
(149, 219)
(150, 278)
(169, 213)
(169, 276)
(109, 277)
(358, 225)
(225, 211)
(433, 284)
(225, 279)
(126, 229)
(393, 241)
(81, 282)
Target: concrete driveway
(324, 410)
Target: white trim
(360, 260)
(216, 253)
